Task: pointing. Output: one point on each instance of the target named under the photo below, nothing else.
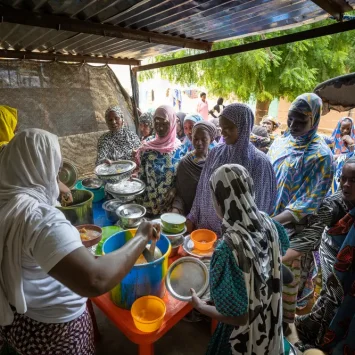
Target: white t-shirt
(48, 300)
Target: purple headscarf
(243, 153)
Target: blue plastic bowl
(99, 194)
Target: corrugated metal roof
(207, 20)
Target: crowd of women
(287, 212)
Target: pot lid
(131, 211)
(111, 205)
(116, 168)
(337, 93)
(184, 274)
(127, 187)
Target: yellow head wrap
(8, 123)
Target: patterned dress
(158, 171)
(245, 271)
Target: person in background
(202, 106)
(218, 108)
(271, 124)
(146, 125)
(219, 137)
(189, 122)
(236, 122)
(120, 142)
(303, 166)
(259, 137)
(245, 270)
(190, 167)
(46, 273)
(343, 137)
(332, 228)
(157, 161)
(180, 134)
(8, 128)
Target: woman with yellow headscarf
(8, 123)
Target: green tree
(284, 71)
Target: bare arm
(211, 311)
(90, 277)
(285, 217)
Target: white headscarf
(29, 166)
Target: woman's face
(188, 125)
(268, 125)
(345, 128)
(114, 121)
(144, 130)
(347, 182)
(162, 126)
(201, 141)
(178, 125)
(229, 130)
(298, 123)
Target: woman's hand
(66, 196)
(196, 302)
(149, 231)
(190, 226)
(108, 161)
(348, 140)
(169, 198)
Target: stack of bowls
(126, 191)
(130, 215)
(174, 227)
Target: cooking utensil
(184, 274)
(92, 183)
(173, 222)
(110, 208)
(80, 211)
(189, 248)
(68, 173)
(116, 172)
(130, 215)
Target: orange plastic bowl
(148, 313)
(203, 239)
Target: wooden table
(122, 319)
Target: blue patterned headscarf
(187, 144)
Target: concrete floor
(183, 339)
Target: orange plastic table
(122, 319)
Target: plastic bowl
(203, 239)
(173, 222)
(148, 313)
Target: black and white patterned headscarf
(115, 109)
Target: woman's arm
(102, 151)
(90, 277)
(212, 312)
(285, 217)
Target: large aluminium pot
(143, 279)
(80, 211)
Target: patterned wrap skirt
(27, 336)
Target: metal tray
(126, 188)
(184, 274)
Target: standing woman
(120, 142)
(236, 123)
(189, 121)
(245, 271)
(343, 136)
(190, 167)
(158, 160)
(146, 125)
(303, 165)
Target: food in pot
(157, 254)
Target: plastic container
(173, 222)
(203, 239)
(148, 313)
(99, 194)
(142, 280)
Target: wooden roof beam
(37, 19)
(335, 8)
(9, 54)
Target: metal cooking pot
(80, 211)
(130, 215)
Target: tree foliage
(283, 71)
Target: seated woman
(180, 134)
(157, 160)
(245, 271)
(146, 126)
(303, 165)
(46, 273)
(333, 228)
(190, 167)
(343, 137)
(120, 142)
(236, 122)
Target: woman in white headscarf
(46, 272)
